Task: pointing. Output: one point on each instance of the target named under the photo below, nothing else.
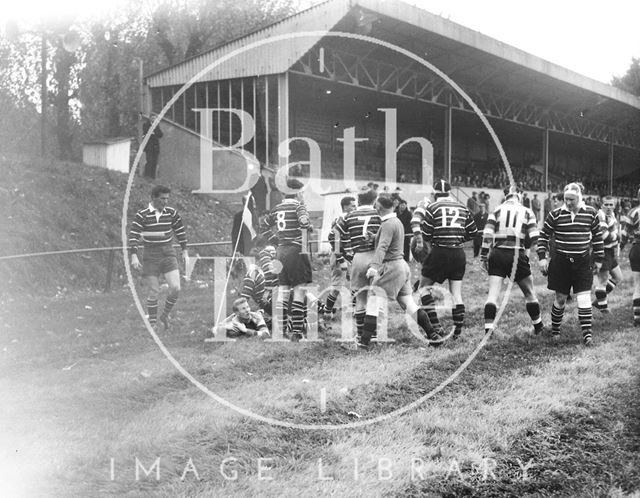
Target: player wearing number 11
(447, 225)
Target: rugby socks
(611, 285)
(297, 318)
(172, 299)
(585, 317)
(359, 316)
(458, 319)
(636, 310)
(429, 305)
(423, 321)
(369, 329)
(534, 312)
(331, 302)
(490, 310)
(556, 319)
(282, 311)
(601, 298)
(152, 310)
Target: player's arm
(385, 236)
(135, 232)
(542, 248)
(604, 226)
(532, 234)
(181, 234)
(597, 242)
(470, 227)
(488, 235)
(303, 217)
(427, 226)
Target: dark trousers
(151, 165)
(477, 244)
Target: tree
(630, 82)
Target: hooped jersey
(447, 223)
(510, 226)
(609, 227)
(631, 225)
(358, 229)
(289, 219)
(418, 215)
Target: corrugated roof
(272, 58)
(275, 58)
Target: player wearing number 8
(447, 225)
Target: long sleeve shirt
(510, 226)
(574, 233)
(156, 228)
(289, 219)
(389, 241)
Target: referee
(576, 230)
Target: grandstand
(555, 125)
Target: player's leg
(152, 284)
(337, 281)
(458, 310)
(298, 299)
(582, 283)
(557, 313)
(531, 303)
(636, 298)
(280, 307)
(490, 307)
(406, 302)
(601, 291)
(173, 280)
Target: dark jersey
(156, 228)
(288, 219)
(358, 229)
(447, 223)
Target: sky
(597, 40)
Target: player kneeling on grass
(389, 271)
(244, 322)
(508, 232)
(576, 230)
(155, 226)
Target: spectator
(404, 215)
(472, 203)
(536, 207)
(152, 149)
(526, 202)
(480, 219)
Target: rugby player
(447, 225)
(155, 227)
(610, 274)
(508, 234)
(575, 228)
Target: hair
(385, 200)
(609, 198)
(238, 302)
(159, 190)
(345, 201)
(402, 201)
(294, 184)
(367, 197)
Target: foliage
(630, 81)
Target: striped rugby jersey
(265, 258)
(447, 223)
(631, 225)
(156, 228)
(510, 226)
(418, 215)
(332, 239)
(574, 234)
(609, 228)
(254, 286)
(289, 219)
(354, 227)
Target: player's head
(384, 204)
(573, 196)
(402, 205)
(294, 184)
(241, 307)
(347, 204)
(608, 204)
(441, 188)
(160, 196)
(513, 193)
(367, 196)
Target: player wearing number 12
(447, 225)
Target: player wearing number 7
(510, 231)
(447, 225)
